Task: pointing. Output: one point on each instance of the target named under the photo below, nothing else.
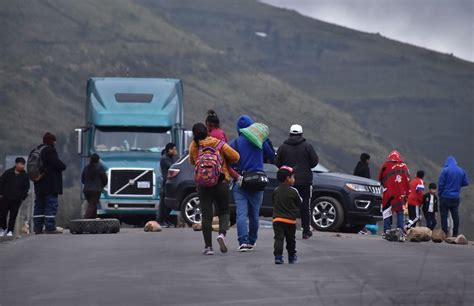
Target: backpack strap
(220, 145)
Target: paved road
(138, 268)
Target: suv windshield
(130, 139)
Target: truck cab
(128, 123)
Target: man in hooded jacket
(450, 181)
(395, 179)
(248, 203)
(297, 153)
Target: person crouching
(286, 205)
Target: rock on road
(138, 268)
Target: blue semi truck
(128, 123)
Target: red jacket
(417, 188)
(394, 177)
(218, 133)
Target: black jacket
(426, 203)
(14, 186)
(52, 181)
(94, 178)
(300, 155)
(362, 169)
(165, 164)
(286, 202)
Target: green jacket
(286, 202)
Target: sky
(446, 26)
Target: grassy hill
(342, 85)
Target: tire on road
(94, 226)
(191, 209)
(327, 214)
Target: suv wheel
(191, 209)
(327, 214)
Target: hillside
(337, 82)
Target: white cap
(296, 129)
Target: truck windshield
(130, 139)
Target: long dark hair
(199, 132)
(212, 120)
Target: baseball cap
(296, 129)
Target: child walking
(286, 205)
(430, 206)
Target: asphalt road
(138, 268)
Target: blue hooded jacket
(251, 157)
(451, 179)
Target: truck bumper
(127, 207)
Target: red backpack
(208, 167)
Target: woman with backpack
(210, 156)
(94, 180)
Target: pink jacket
(219, 134)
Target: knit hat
(49, 139)
(296, 129)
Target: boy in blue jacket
(450, 181)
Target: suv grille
(132, 182)
(375, 189)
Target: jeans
(248, 207)
(284, 231)
(387, 223)
(450, 205)
(92, 198)
(12, 207)
(305, 194)
(45, 210)
(219, 196)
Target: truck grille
(375, 189)
(132, 182)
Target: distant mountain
(351, 91)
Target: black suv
(338, 200)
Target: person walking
(94, 180)
(430, 206)
(415, 199)
(286, 203)
(48, 188)
(210, 157)
(394, 177)
(14, 187)
(299, 154)
(213, 126)
(450, 181)
(362, 169)
(168, 158)
(247, 200)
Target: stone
(438, 236)
(215, 227)
(197, 227)
(215, 221)
(461, 239)
(152, 226)
(418, 234)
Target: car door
(271, 171)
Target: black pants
(284, 231)
(430, 220)
(92, 198)
(12, 207)
(208, 197)
(305, 194)
(163, 211)
(413, 215)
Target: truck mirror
(79, 140)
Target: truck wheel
(327, 214)
(191, 210)
(94, 226)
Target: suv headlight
(357, 187)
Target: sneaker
(208, 251)
(307, 235)
(9, 234)
(58, 230)
(2, 232)
(222, 244)
(243, 248)
(250, 247)
(292, 259)
(279, 260)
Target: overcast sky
(442, 25)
